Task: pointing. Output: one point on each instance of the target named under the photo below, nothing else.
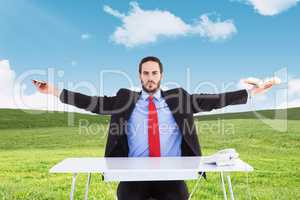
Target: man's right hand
(45, 88)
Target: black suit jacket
(182, 105)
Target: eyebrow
(150, 71)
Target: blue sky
(76, 37)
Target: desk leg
(230, 187)
(223, 186)
(195, 187)
(87, 187)
(73, 186)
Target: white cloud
(294, 103)
(113, 12)
(13, 95)
(146, 26)
(294, 88)
(7, 77)
(214, 30)
(85, 36)
(270, 7)
(293, 94)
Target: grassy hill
(14, 118)
(31, 143)
(291, 114)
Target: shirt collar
(145, 95)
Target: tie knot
(151, 98)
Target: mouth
(151, 85)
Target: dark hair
(151, 58)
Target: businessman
(152, 122)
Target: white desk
(146, 169)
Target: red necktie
(153, 131)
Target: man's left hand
(260, 88)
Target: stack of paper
(224, 157)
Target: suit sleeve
(208, 102)
(95, 104)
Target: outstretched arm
(95, 104)
(208, 102)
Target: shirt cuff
(249, 94)
(59, 92)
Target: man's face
(150, 76)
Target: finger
(268, 85)
(251, 83)
(37, 84)
(34, 82)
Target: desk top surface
(144, 164)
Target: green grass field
(31, 143)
